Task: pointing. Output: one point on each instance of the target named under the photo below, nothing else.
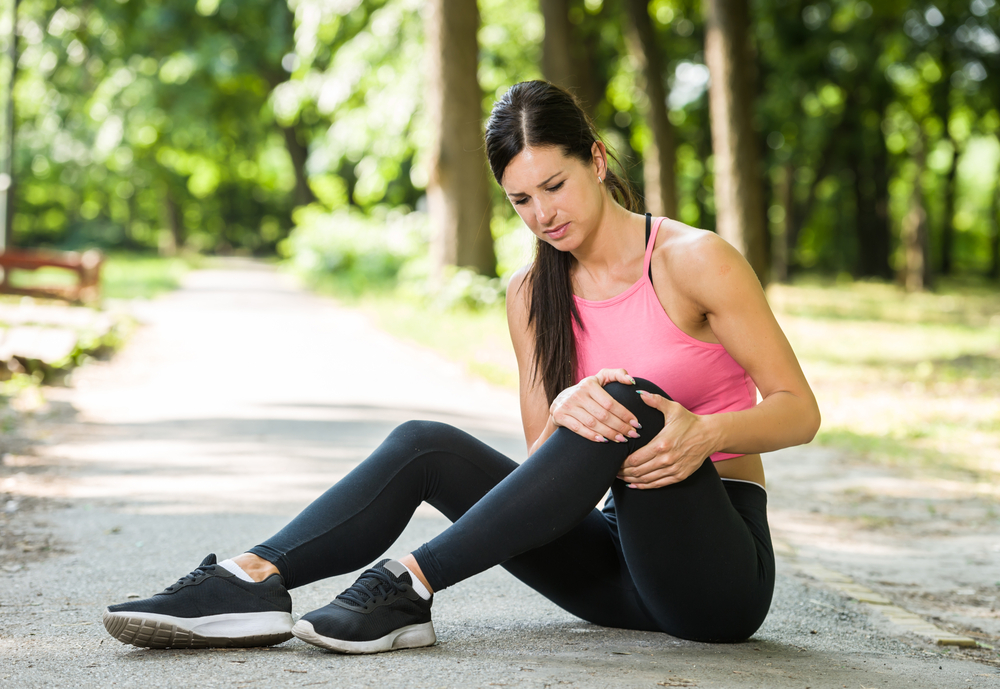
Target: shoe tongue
(210, 560)
(395, 570)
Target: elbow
(811, 423)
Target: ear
(600, 154)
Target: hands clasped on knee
(590, 410)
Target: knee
(420, 433)
(650, 418)
(626, 394)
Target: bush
(351, 252)
(354, 250)
(456, 288)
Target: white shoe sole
(412, 636)
(151, 630)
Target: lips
(557, 232)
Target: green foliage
(348, 252)
(134, 275)
(204, 124)
(127, 141)
(352, 251)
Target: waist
(742, 468)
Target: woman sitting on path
(682, 544)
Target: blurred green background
(225, 126)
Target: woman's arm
(713, 282)
(538, 425)
(584, 408)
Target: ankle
(410, 563)
(257, 568)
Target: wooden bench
(86, 266)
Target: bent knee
(626, 394)
(421, 432)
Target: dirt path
(243, 397)
(929, 545)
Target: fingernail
(633, 434)
(640, 392)
(630, 485)
(631, 380)
(600, 439)
(620, 438)
(635, 424)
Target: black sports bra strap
(649, 229)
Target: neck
(613, 245)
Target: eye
(520, 201)
(556, 187)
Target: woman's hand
(589, 411)
(676, 451)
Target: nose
(543, 212)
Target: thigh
(702, 565)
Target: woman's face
(557, 196)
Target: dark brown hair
(539, 114)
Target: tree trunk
(782, 248)
(948, 222)
(994, 270)
(916, 272)
(299, 155)
(457, 191)
(173, 239)
(7, 153)
(565, 61)
(660, 157)
(738, 187)
(871, 192)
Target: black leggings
(693, 559)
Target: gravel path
(240, 400)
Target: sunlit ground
(907, 380)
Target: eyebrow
(521, 193)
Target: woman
(682, 544)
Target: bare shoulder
(518, 304)
(517, 288)
(701, 264)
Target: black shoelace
(372, 584)
(200, 572)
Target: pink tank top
(632, 331)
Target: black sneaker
(380, 612)
(210, 607)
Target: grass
(130, 275)
(911, 381)
(477, 339)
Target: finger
(582, 422)
(581, 428)
(619, 414)
(641, 456)
(654, 400)
(656, 477)
(649, 471)
(668, 481)
(620, 375)
(619, 428)
(584, 416)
